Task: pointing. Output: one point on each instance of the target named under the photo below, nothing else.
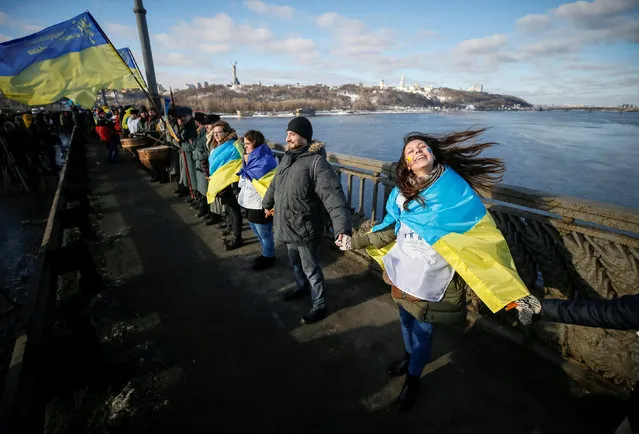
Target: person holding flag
(441, 236)
(258, 168)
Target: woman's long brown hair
(481, 173)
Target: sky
(545, 51)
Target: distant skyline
(545, 51)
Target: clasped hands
(343, 241)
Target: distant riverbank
(402, 110)
(591, 156)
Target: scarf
(260, 162)
(430, 178)
(209, 140)
(232, 135)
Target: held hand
(269, 212)
(526, 308)
(343, 242)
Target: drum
(132, 144)
(156, 159)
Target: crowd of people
(227, 178)
(37, 140)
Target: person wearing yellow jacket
(125, 118)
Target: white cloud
(263, 8)
(220, 33)
(549, 47)
(352, 38)
(213, 48)
(327, 19)
(305, 48)
(121, 30)
(487, 45)
(175, 59)
(426, 33)
(533, 22)
(588, 11)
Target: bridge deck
(217, 351)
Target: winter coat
(104, 132)
(200, 159)
(449, 310)
(305, 184)
(189, 134)
(620, 314)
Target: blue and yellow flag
(455, 222)
(134, 79)
(224, 163)
(260, 168)
(71, 59)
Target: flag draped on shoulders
(224, 163)
(260, 168)
(455, 222)
(72, 59)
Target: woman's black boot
(399, 367)
(408, 394)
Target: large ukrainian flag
(71, 59)
(455, 222)
(224, 163)
(260, 168)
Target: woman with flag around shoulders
(224, 163)
(436, 239)
(257, 172)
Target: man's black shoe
(314, 315)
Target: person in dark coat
(200, 158)
(305, 184)
(619, 314)
(188, 180)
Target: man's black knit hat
(211, 119)
(199, 117)
(301, 126)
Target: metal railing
(563, 247)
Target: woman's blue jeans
(264, 233)
(417, 341)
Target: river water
(591, 156)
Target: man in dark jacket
(305, 184)
(619, 314)
(187, 165)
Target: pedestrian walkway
(217, 351)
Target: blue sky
(584, 52)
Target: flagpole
(146, 92)
(135, 63)
(145, 45)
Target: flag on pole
(72, 59)
(134, 79)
